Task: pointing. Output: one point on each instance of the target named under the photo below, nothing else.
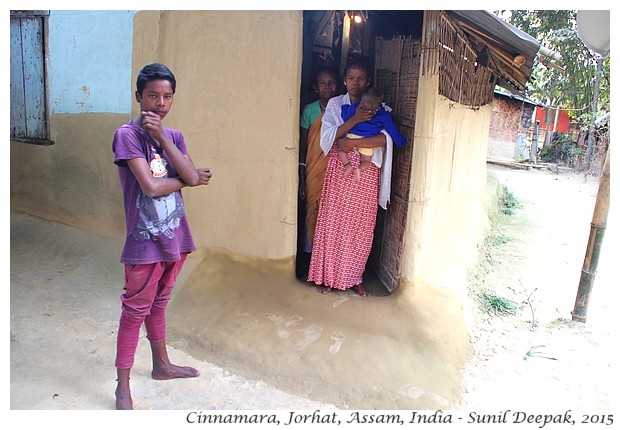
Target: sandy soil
(62, 337)
(537, 265)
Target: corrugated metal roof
(518, 97)
(506, 49)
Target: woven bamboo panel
(430, 43)
(401, 165)
(505, 120)
(387, 66)
(397, 74)
(387, 80)
(392, 243)
(447, 51)
(408, 79)
(399, 80)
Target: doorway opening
(389, 42)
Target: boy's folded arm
(151, 186)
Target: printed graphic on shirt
(158, 215)
(158, 166)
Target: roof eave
(513, 51)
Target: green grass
(498, 305)
(493, 240)
(507, 201)
(560, 322)
(496, 239)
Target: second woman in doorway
(312, 160)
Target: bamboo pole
(593, 250)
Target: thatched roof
(500, 46)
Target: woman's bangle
(302, 164)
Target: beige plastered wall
(74, 181)
(237, 103)
(501, 150)
(448, 200)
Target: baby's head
(372, 99)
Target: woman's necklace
(322, 107)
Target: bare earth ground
(536, 261)
(62, 343)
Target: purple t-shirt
(157, 228)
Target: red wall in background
(546, 118)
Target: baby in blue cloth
(372, 101)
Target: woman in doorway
(312, 161)
(348, 210)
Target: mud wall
(448, 199)
(237, 103)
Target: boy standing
(153, 166)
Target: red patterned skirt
(345, 224)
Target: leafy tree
(572, 88)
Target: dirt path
(536, 256)
(62, 341)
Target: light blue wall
(89, 61)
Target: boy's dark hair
(152, 72)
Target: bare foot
(173, 372)
(124, 402)
(361, 290)
(323, 289)
(347, 169)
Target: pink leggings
(147, 292)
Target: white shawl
(381, 157)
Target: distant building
(512, 118)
